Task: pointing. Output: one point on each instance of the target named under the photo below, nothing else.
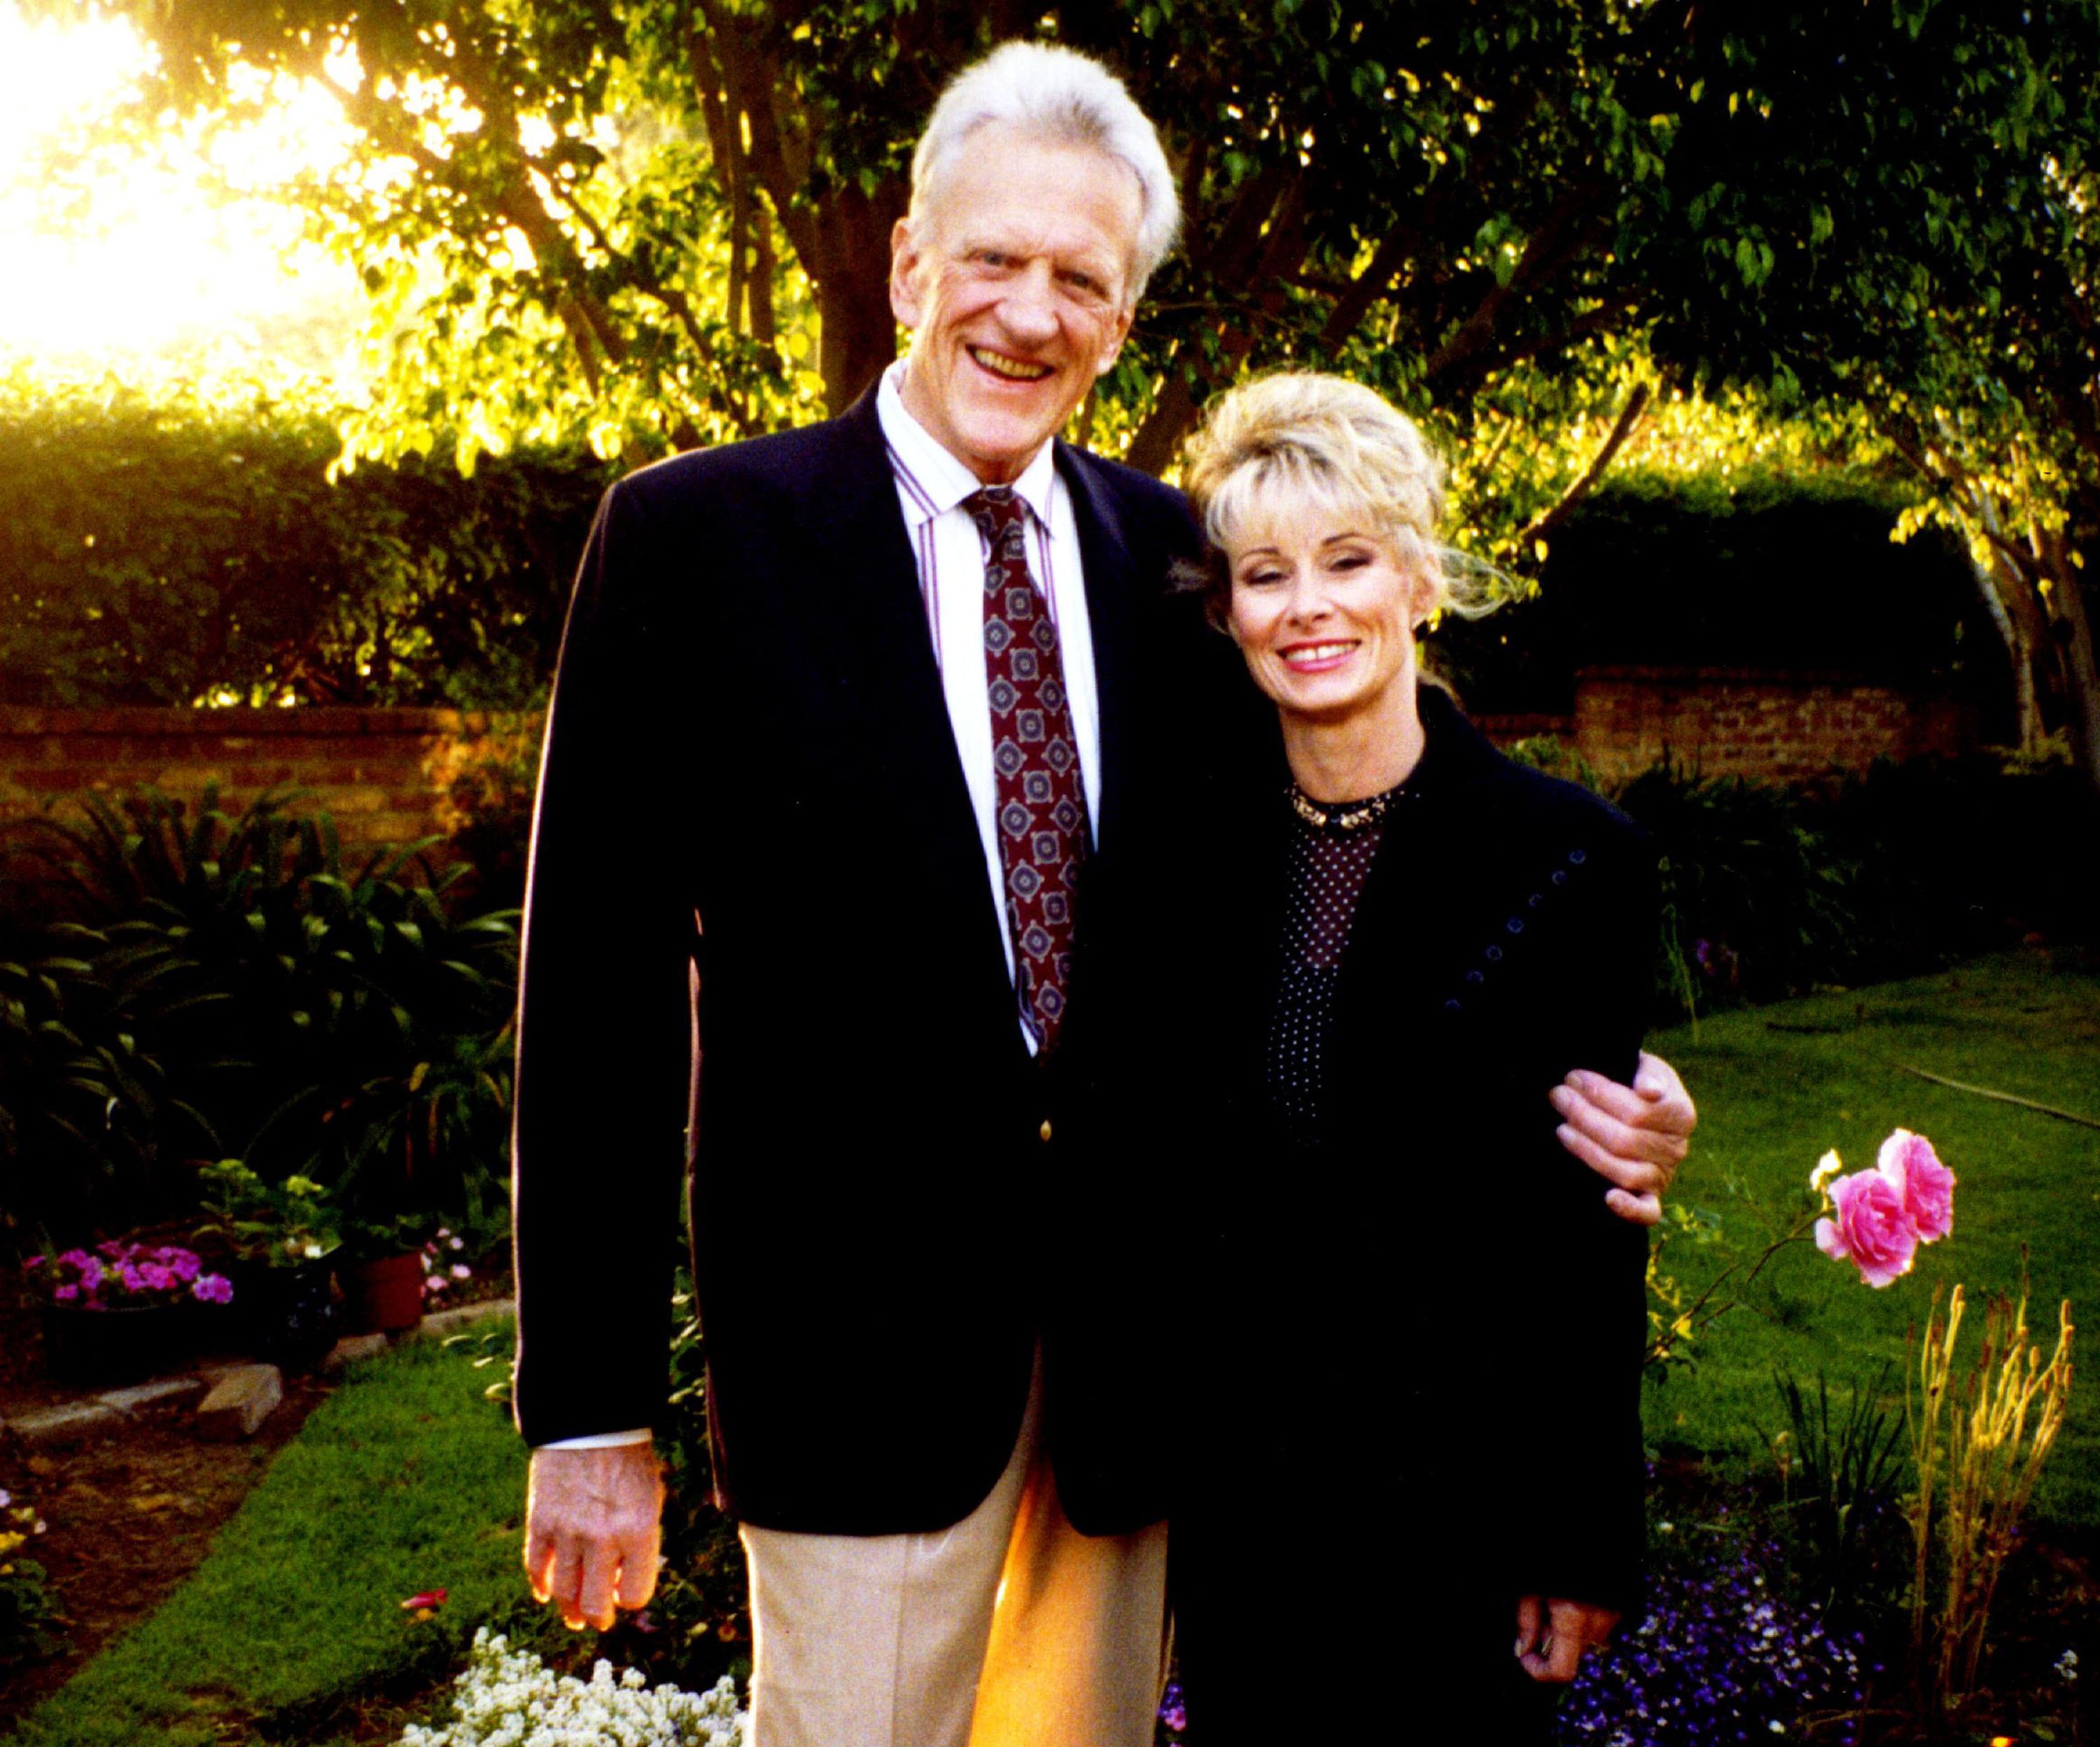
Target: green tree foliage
(175, 553)
(666, 221)
(1929, 262)
(625, 222)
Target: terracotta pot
(387, 1295)
(124, 1345)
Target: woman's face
(1324, 611)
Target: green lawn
(406, 1479)
(1772, 1098)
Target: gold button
(1044, 1130)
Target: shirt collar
(936, 481)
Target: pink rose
(1927, 1185)
(1873, 1229)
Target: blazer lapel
(859, 601)
(1112, 586)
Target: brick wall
(1740, 721)
(388, 776)
(391, 776)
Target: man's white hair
(1063, 96)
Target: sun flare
(175, 258)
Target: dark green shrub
(157, 552)
(1758, 904)
(81, 1102)
(1769, 892)
(338, 1022)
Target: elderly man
(842, 716)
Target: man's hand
(1551, 1635)
(592, 1521)
(1634, 1136)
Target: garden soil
(129, 1515)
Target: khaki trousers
(1009, 1629)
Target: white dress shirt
(931, 486)
(950, 552)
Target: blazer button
(1576, 858)
(1044, 1130)
(1451, 1006)
(1534, 901)
(1559, 876)
(1494, 955)
(1474, 978)
(1515, 924)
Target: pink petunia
(65, 1294)
(34, 1261)
(213, 1289)
(1872, 1229)
(1927, 1185)
(74, 1259)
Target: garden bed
(128, 1519)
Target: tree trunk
(2014, 605)
(2074, 628)
(858, 337)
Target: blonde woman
(1411, 936)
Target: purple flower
(65, 1294)
(34, 1261)
(213, 1289)
(461, 1271)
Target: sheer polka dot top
(1329, 859)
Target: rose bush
(1927, 1185)
(1879, 1217)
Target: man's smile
(1013, 369)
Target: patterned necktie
(1041, 803)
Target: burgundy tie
(1041, 807)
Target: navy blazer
(756, 883)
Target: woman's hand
(1633, 1137)
(1551, 1635)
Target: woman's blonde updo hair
(1300, 439)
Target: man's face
(1016, 288)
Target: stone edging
(113, 1410)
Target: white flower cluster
(510, 1698)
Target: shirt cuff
(601, 1440)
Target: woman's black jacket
(1426, 1335)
